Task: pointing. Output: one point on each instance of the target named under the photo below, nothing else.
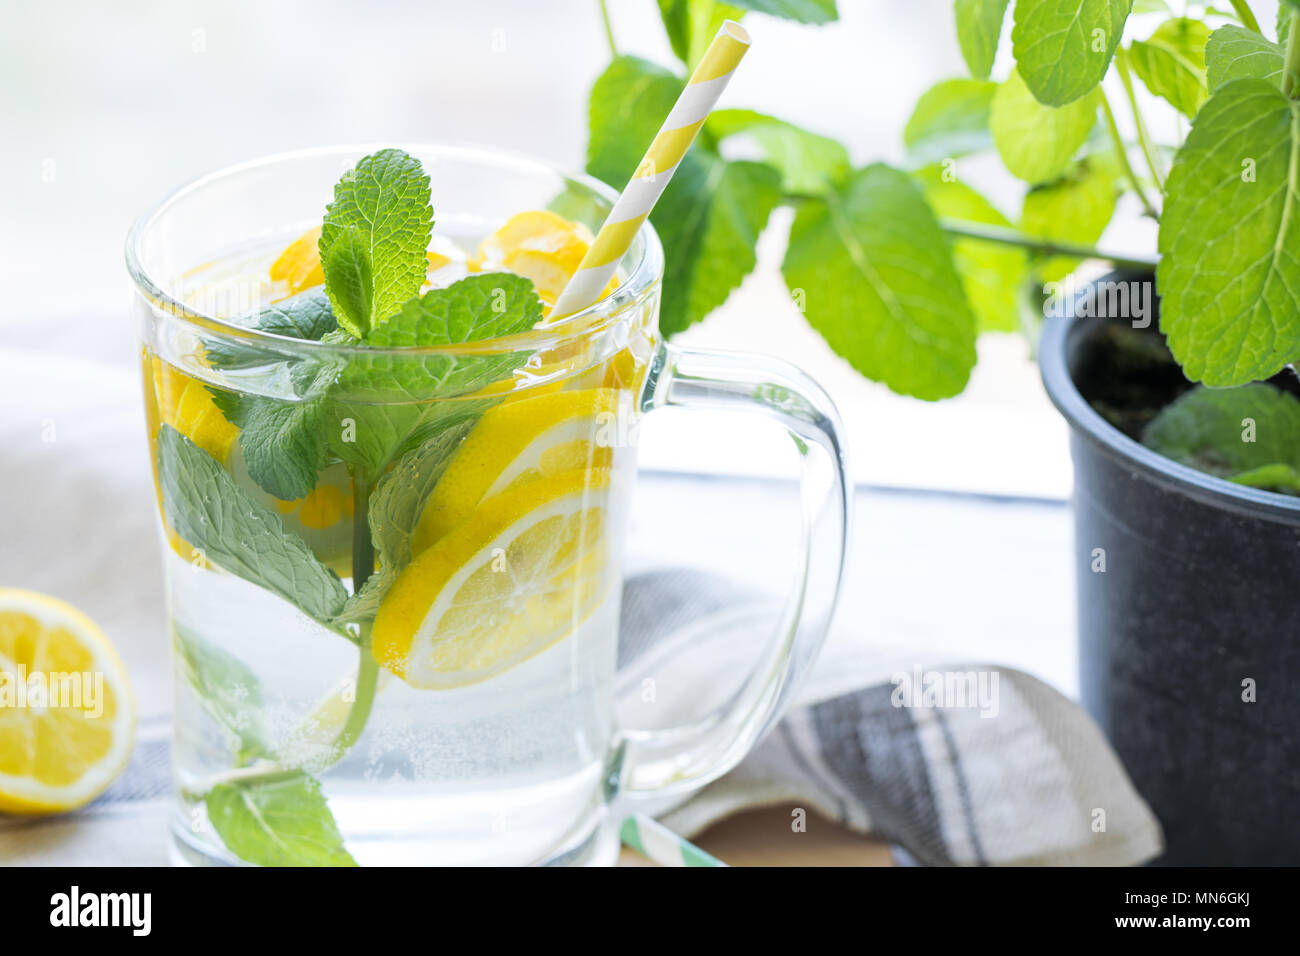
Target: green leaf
(374, 239)
(808, 162)
(692, 25)
(1235, 53)
(1171, 62)
(709, 219)
(227, 690)
(279, 822)
(1229, 275)
(283, 441)
(951, 119)
(1251, 431)
(306, 315)
(712, 212)
(395, 508)
(395, 402)
(238, 534)
(1075, 208)
(877, 281)
(801, 11)
(627, 105)
(1037, 142)
(990, 273)
(1064, 47)
(979, 28)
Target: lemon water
(468, 719)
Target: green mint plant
(382, 415)
(901, 268)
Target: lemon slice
(540, 246)
(67, 732)
(504, 586)
(515, 442)
(299, 265)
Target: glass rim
(641, 280)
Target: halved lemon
(67, 731)
(521, 575)
(515, 442)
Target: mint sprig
(374, 239)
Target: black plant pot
(1199, 597)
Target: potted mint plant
(1175, 372)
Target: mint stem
(1291, 70)
(1144, 139)
(982, 232)
(609, 29)
(363, 565)
(1245, 16)
(1121, 153)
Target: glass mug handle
(663, 763)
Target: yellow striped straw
(647, 184)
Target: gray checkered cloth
(1033, 784)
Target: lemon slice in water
(515, 442)
(66, 732)
(521, 574)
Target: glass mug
(458, 708)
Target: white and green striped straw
(661, 845)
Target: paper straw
(647, 184)
(657, 843)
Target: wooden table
(763, 838)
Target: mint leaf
(1251, 432)
(1063, 47)
(692, 24)
(991, 274)
(238, 534)
(873, 270)
(283, 441)
(227, 690)
(306, 315)
(374, 238)
(1075, 208)
(1235, 53)
(395, 402)
(1229, 275)
(950, 119)
(979, 28)
(1037, 142)
(279, 822)
(801, 11)
(808, 162)
(395, 508)
(710, 215)
(1171, 62)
